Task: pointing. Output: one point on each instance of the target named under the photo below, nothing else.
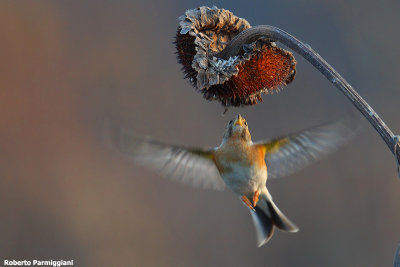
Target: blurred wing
(288, 154)
(192, 166)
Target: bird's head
(237, 129)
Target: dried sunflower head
(259, 67)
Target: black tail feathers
(279, 219)
(265, 217)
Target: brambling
(240, 165)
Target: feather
(288, 154)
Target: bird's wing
(288, 154)
(194, 166)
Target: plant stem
(396, 262)
(276, 34)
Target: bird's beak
(239, 120)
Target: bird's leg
(247, 202)
(255, 197)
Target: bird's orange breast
(240, 153)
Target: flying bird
(239, 164)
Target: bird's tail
(266, 216)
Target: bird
(239, 164)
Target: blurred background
(67, 65)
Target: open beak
(239, 120)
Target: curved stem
(276, 34)
(396, 262)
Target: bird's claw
(255, 197)
(247, 202)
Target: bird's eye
(245, 123)
(230, 121)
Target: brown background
(65, 66)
